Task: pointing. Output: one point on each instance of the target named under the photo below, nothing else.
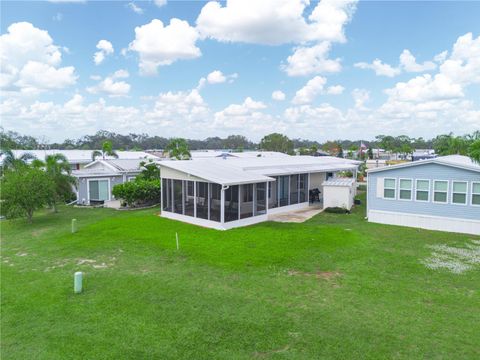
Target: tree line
(443, 144)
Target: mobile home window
(459, 192)
(422, 190)
(406, 189)
(389, 188)
(476, 193)
(440, 190)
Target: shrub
(138, 192)
(25, 190)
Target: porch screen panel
(231, 203)
(189, 198)
(215, 191)
(167, 194)
(283, 190)
(202, 200)
(293, 189)
(178, 196)
(303, 178)
(246, 201)
(273, 194)
(261, 199)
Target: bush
(337, 210)
(25, 190)
(139, 192)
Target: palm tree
(10, 161)
(474, 151)
(178, 149)
(58, 169)
(107, 150)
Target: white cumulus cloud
(159, 45)
(111, 86)
(30, 61)
(278, 95)
(311, 89)
(379, 67)
(105, 48)
(311, 60)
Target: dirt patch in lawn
(265, 354)
(324, 275)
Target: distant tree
(10, 161)
(25, 190)
(107, 150)
(177, 148)
(236, 142)
(58, 169)
(304, 151)
(474, 151)
(277, 142)
(340, 152)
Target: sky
(318, 70)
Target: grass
(333, 287)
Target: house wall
(82, 186)
(436, 214)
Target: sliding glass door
(99, 190)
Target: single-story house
(438, 194)
(97, 179)
(79, 158)
(224, 193)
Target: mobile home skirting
(440, 223)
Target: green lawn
(333, 287)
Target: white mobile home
(224, 193)
(438, 194)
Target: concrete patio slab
(298, 216)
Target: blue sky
(214, 69)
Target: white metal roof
(339, 182)
(202, 154)
(459, 161)
(231, 171)
(82, 156)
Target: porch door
(99, 190)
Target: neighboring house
(375, 163)
(97, 179)
(423, 154)
(79, 158)
(207, 154)
(438, 194)
(224, 193)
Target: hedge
(138, 192)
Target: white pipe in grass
(77, 282)
(176, 237)
(74, 226)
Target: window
(273, 194)
(178, 196)
(215, 194)
(389, 188)
(422, 190)
(476, 193)
(303, 187)
(167, 194)
(246, 206)
(231, 203)
(131, 178)
(405, 192)
(188, 198)
(98, 190)
(440, 190)
(293, 189)
(202, 200)
(283, 186)
(261, 203)
(459, 192)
